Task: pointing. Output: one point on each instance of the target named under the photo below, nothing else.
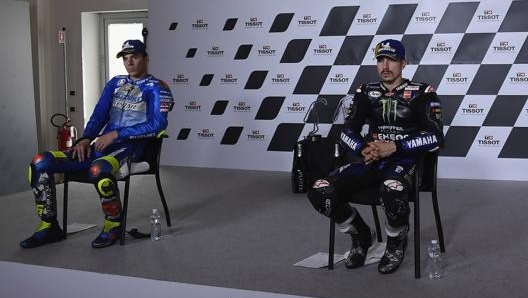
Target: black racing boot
(358, 252)
(47, 232)
(361, 241)
(394, 253)
(109, 235)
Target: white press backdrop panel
(244, 73)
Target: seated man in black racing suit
(405, 121)
(131, 107)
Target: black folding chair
(424, 181)
(149, 165)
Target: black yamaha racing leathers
(411, 117)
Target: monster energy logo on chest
(389, 107)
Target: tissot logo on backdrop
(307, 21)
(192, 106)
(475, 53)
(472, 109)
(488, 15)
(366, 18)
(255, 135)
(425, 17)
(200, 24)
(280, 79)
(489, 140)
(180, 79)
(520, 77)
(242, 106)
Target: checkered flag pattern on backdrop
(258, 70)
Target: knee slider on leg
(395, 202)
(322, 196)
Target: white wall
(48, 17)
(29, 53)
(18, 136)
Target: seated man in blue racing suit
(131, 107)
(405, 121)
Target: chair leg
(163, 201)
(124, 211)
(377, 222)
(65, 210)
(438, 221)
(331, 243)
(417, 236)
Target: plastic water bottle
(435, 260)
(155, 225)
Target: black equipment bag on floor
(314, 156)
(313, 159)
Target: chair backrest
(151, 154)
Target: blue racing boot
(47, 232)
(109, 235)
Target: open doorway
(102, 37)
(119, 27)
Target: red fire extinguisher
(66, 132)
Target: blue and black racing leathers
(135, 109)
(411, 117)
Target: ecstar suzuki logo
(519, 78)
(280, 79)
(266, 51)
(180, 79)
(228, 79)
(425, 17)
(488, 15)
(489, 140)
(307, 21)
(457, 78)
(205, 134)
(215, 51)
(366, 18)
(193, 106)
(253, 23)
(472, 109)
(255, 135)
(296, 107)
(200, 24)
(242, 106)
